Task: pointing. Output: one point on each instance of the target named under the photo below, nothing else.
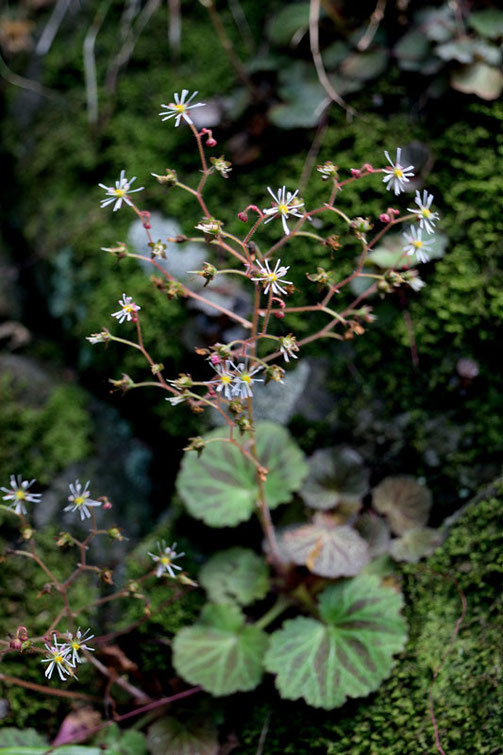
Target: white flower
(416, 245)
(397, 176)
(225, 380)
(59, 659)
(210, 226)
(165, 559)
(244, 380)
(180, 398)
(98, 337)
(288, 345)
(128, 309)
(284, 204)
(271, 277)
(18, 494)
(416, 283)
(426, 217)
(77, 642)
(180, 107)
(119, 194)
(80, 500)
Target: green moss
(41, 441)
(468, 699)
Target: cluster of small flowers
(64, 656)
(18, 494)
(396, 177)
(235, 381)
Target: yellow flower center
(79, 500)
(398, 173)
(225, 379)
(425, 212)
(417, 244)
(180, 108)
(272, 277)
(283, 208)
(165, 560)
(119, 192)
(20, 495)
(58, 658)
(75, 645)
(246, 378)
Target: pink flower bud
(215, 359)
(107, 505)
(147, 225)
(15, 644)
(355, 172)
(384, 218)
(368, 167)
(279, 315)
(392, 211)
(145, 214)
(243, 216)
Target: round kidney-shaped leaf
(220, 652)
(415, 544)
(194, 737)
(220, 487)
(346, 656)
(325, 548)
(403, 501)
(335, 476)
(237, 574)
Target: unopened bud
(170, 179)
(184, 580)
(196, 444)
(275, 373)
(244, 425)
(115, 534)
(236, 407)
(16, 644)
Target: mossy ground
(468, 701)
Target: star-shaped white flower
(397, 176)
(18, 494)
(180, 107)
(243, 380)
(128, 309)
(77, 642)
(284, 204)
(271, 277)
(416, 245)
(426, 217)
(164, 559)
(225, 379)
(59, 658)
(288, 346)
(119, 193)
(80, 500)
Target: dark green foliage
(467, 694)
(39, 441)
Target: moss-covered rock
(467, 694)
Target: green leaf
(415, 544)
(346, 656)
(237, 574)
(437, 24)
(364, 65)
(335, 53)
(390, 252)
(336, 476)
(480, 79)
(221, 486)
(487, 22)
(404, 502)
(9, 736)
(303, 110)
(326, 548)
(193, 737)
(220, 652)
(411, 50)
(291, 19)
(461, 50)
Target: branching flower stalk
(230, 392)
